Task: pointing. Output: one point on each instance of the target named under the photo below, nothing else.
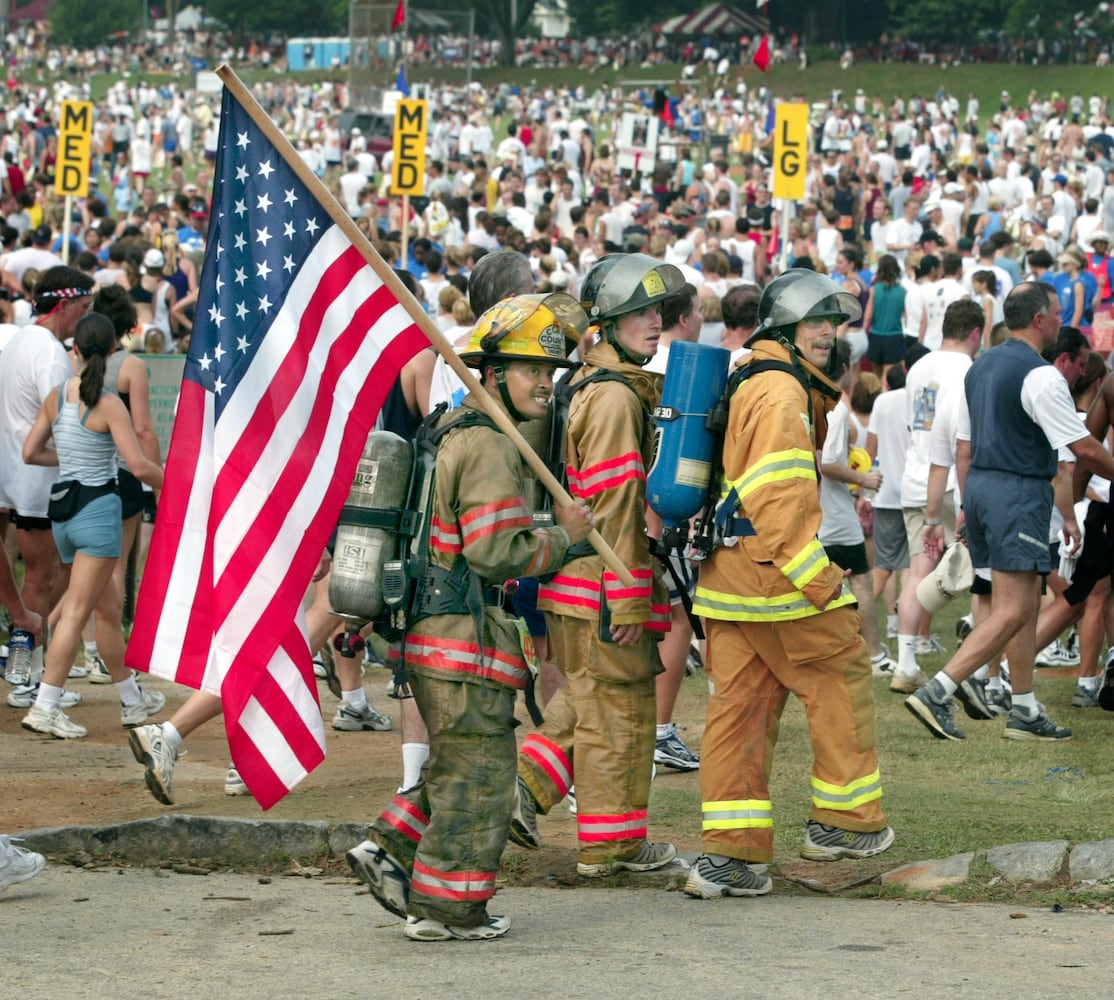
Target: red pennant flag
(762, 54)
(400, 16)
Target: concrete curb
(222, 839)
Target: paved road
(143, 933)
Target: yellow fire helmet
(543, 327)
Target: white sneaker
(427, 929)
(319, 667)
(77, 673)
(17, 864)
(150, 703)
(881, 665)
(53, 723)
(150, 749)
(354, 720)
(24, 695)
(98, 672)
(233, 783)
(928, 645)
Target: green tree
(950, 20)
(85, 25)
(494, 18)
(287, 17)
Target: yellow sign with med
(75, 138)
(790, 150)
(408, 168)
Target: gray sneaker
(999, 701)
(709, 880)
(1084, 697)
(649, 857)
(673, 752)
(383, 874)
(524, 817)
(1039, 727)
(830, 843)
(972, 696)
(1106, 689)
(150, 703)
(150, 749)
(929, 704)
(353, 720)
(98, 672)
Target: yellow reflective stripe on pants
(737, 815)
(783, 607)
(845, 797)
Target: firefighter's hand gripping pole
(385, 273)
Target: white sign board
(638, 142)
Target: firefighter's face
(530, 384)
(639, 332)
(815, 340)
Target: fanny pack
(68, 497)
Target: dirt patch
(46, 782)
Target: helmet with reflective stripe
(801, 294)
(544, 327)
(623, 283)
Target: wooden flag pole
(387, 275)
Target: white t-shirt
(839, 524)
(35, 362)
(1046, 400)
(933, 391)
(887, 424)
(938, 295)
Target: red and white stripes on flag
(295, 347)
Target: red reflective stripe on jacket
(643, 585)
(444, 536)
(593, 479)
(457, 656)
(488, 518)
(565, 589)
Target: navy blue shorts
(1009, 536)
(524, 600)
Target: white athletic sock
(994, 683)
(983, 672)
(907, 654)
(171, 737)
(665, 731)
(891, 623)
(91, 649)
(947, 683)
(129, 691)
(49, 697)
(414, 755)
(1026, 702)
(1091, 684)
(357, 699)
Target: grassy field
(941, 797)
(885, 80)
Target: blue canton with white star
(265, 223)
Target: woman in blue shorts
(88, 425)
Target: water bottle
(18, 668)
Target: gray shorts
(891, 545)
(1007, 521)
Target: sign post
(408, 165)
(790, 162)
(71, 172)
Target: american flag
(295, 346)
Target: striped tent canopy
(715, 19)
